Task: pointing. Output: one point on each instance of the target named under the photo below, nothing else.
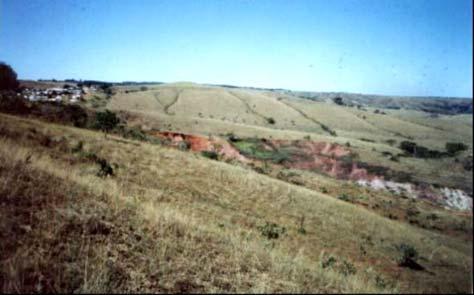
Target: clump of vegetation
(389, 174)
(271, 231)
(347, 268)
(105, 168)
(408, 257)
(391, 141)
(413, 149)
(301, 228)
(328, 262)
(232, 137)
(262, 150)
(184, 145)
(338, 100)
(106, 121)
(344, 267)
(210, 154)
(328, 130)
(134, 133)
(344, 197)
(78, 147)
(8, 78)
(270, 120)
(454, 148)
(467, 163)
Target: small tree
(338, 100)
(106, 121)
(270, 120)
(455, 147)
(8, 78)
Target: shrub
(411, 148)
(184, 145)
(271, 230)
(13, 104)
(344, 197)
(455, 147)
(134, 133)
(328, 130)
(391, 141)
(347, 268)
(143, 88)
(270, 120)
(210, 154)
(338, 100)
(408, 256)
(106, 121)
(232, 137)
(105, 168)
(467, 163)
(78, 147)
(8, 78)
(301, 228)
(328, 262)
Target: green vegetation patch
(260, 149)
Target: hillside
(173, 221)
(216, 189)
(373, 134)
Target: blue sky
(396, 47)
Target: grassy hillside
(373, 134)
(172, 221)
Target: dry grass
(171, 221)
(197, 109)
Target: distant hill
(430, 104)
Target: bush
(271, 230)
(105, 168)
(184, 145)
(13, 104)
(408, 256)
(8, 78)
(106, 121)
(134, 133)
(467, 163)
(455, 147)
(210, 154)
(338, 100)
(344, 197)
(347, 268)
(411, 148)
(328, 262)
(328, 130)
(270, 120)
(78, 147)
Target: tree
(338, 100)
(8, 78)
(106, 121)
(455, 147)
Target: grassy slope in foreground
(174, 221)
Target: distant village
(68, 93)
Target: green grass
(256, 149)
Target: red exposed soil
(201, 143)
(329, 158)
